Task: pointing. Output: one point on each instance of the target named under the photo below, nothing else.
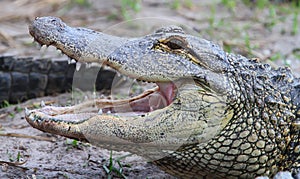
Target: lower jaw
(150, 100)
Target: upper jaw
(81, 44)
(130, 57)
(85, 45)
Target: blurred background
(254, 28)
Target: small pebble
(283, 175)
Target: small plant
(11, 157)
(261, 4)
(276, 56)
(18, 158)
(73, 143)
(296, 53)
(18, 109)
(212, 17)
(227, 48)
(188, 3)
(295, 23)
(111, 168)
(272, 17)
(247, 42)
(81, 3)
(5, 104)
(230, 4)
(129, 5)
(12, 115)
(175, 4)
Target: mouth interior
(151, 100)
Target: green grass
(73, 143)
(272, 17)
(115, 166)
(295, 27)
(247, 42)
(129, 6)
(81, 3)
(177, 4)
(296, 53)
(276, 56)
(18, 109)
(13, 157)
(5, 104)
(261, 4)
(230, 4)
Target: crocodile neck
(265, 104)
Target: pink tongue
(167, 90)
(157, 100)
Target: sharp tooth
(100, 112)
(125, 78)
(43, 48)
(69, 61)
(88, 65)
(38, 45)
(78, 65)
(27, 112)
(151, 109)
(59, 51)
(43, 104)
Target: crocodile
(212, 114)
(23, 78)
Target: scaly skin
(213, 114)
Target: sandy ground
(28, 153)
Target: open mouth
(150, 100)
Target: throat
(167, 91)
(158, 98)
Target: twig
(3, 115)
(12, 163)
(28, 136)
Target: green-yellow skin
(227, 116)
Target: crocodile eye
(175, 43)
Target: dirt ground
(269, 32)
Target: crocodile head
(189, 104)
